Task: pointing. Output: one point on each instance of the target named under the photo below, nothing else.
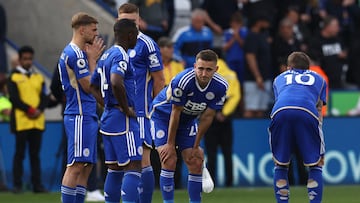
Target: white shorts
(255, 98)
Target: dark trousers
(220, 134)
(33, 139)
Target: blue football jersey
(114, 61)
(144, 58)
(185, 91)
(72, 66)
(299, 89)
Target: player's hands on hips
(95, 49)
(166, 152)
(130, 112)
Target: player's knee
(170, 163)
(194, 165)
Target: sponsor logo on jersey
(193, 108)
(154, 60)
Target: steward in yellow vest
(27, 93)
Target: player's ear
(216, 68)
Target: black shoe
(40, 190)
(17, 190)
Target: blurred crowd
(254, 37)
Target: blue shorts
(146, 131)
(81, 132)
(185, 135)
(115, 122)
(292, 128)
(121, 149)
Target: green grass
(332, 194)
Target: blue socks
(147, 185)
(315, 184)
(167, 185)
(195, 187)
(68, 194)
(130, 189)
(80, 194)
(281, 184)
(112, 186)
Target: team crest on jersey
(178, 92)
(210, 95)
(81, 63)
(140, 150)
(132, 53)
(86, 152)
(160, 134)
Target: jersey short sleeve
(119, 66)
(78, 62)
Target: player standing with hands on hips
(296, 121)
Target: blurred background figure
(154, 17)
(259, 70)
(3, 57)
(171, 66)
(28, 96)
(284, 44)
(220, 133)
(328, 48)
(233, 46)
(191, 39)
(5, 111)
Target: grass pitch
(332, 194)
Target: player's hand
(220, 117)
(260, 83)
(166, 152)
(95, 49)
(130, 112)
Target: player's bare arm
(168, 150)
(119, 92)
(159, 81)
(251, 60)
(205, 121)
(319, 106)
(95, 91)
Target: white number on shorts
(300, 79)
(193, 130)
(104, 85)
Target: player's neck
(78, 41)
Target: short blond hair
(128, 8)
(81, 18)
